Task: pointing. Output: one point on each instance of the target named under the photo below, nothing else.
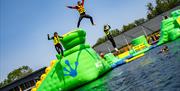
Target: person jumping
(109, 36)
(81, 10)
(57, 44)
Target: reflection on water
(153, 72)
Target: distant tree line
(152, 11)
(16, 74)
(161, 6)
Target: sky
(24, 25)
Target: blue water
(152, 72)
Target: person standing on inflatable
(81, 10)
(57, 44)
(109, 36)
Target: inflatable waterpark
(81, 64)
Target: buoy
(53, 62)
(42, 76)
(34, 89)
(38, 83)
(47, 69)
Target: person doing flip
(109, 36)
(82, 12)
(57, 44)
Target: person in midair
(109, 36)
(80, 8)
(57, 44)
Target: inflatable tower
(80, 64)
(170, 28)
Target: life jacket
(80, 9)
(107, 32)
(56, 40)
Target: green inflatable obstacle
(175, 13)
(170, 28)
(110, 58)
(80, 65)
(140, 40)
(140, 45)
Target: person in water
(57, 44)
(165, 17)
(165, 49)
(102, 55)
(109, 36)
(82, 12)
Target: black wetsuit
(109, 36)
(84, 15)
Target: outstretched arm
(49, 37)
(109, 26)
(82, 2)
(72, 7)
(60, 37)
